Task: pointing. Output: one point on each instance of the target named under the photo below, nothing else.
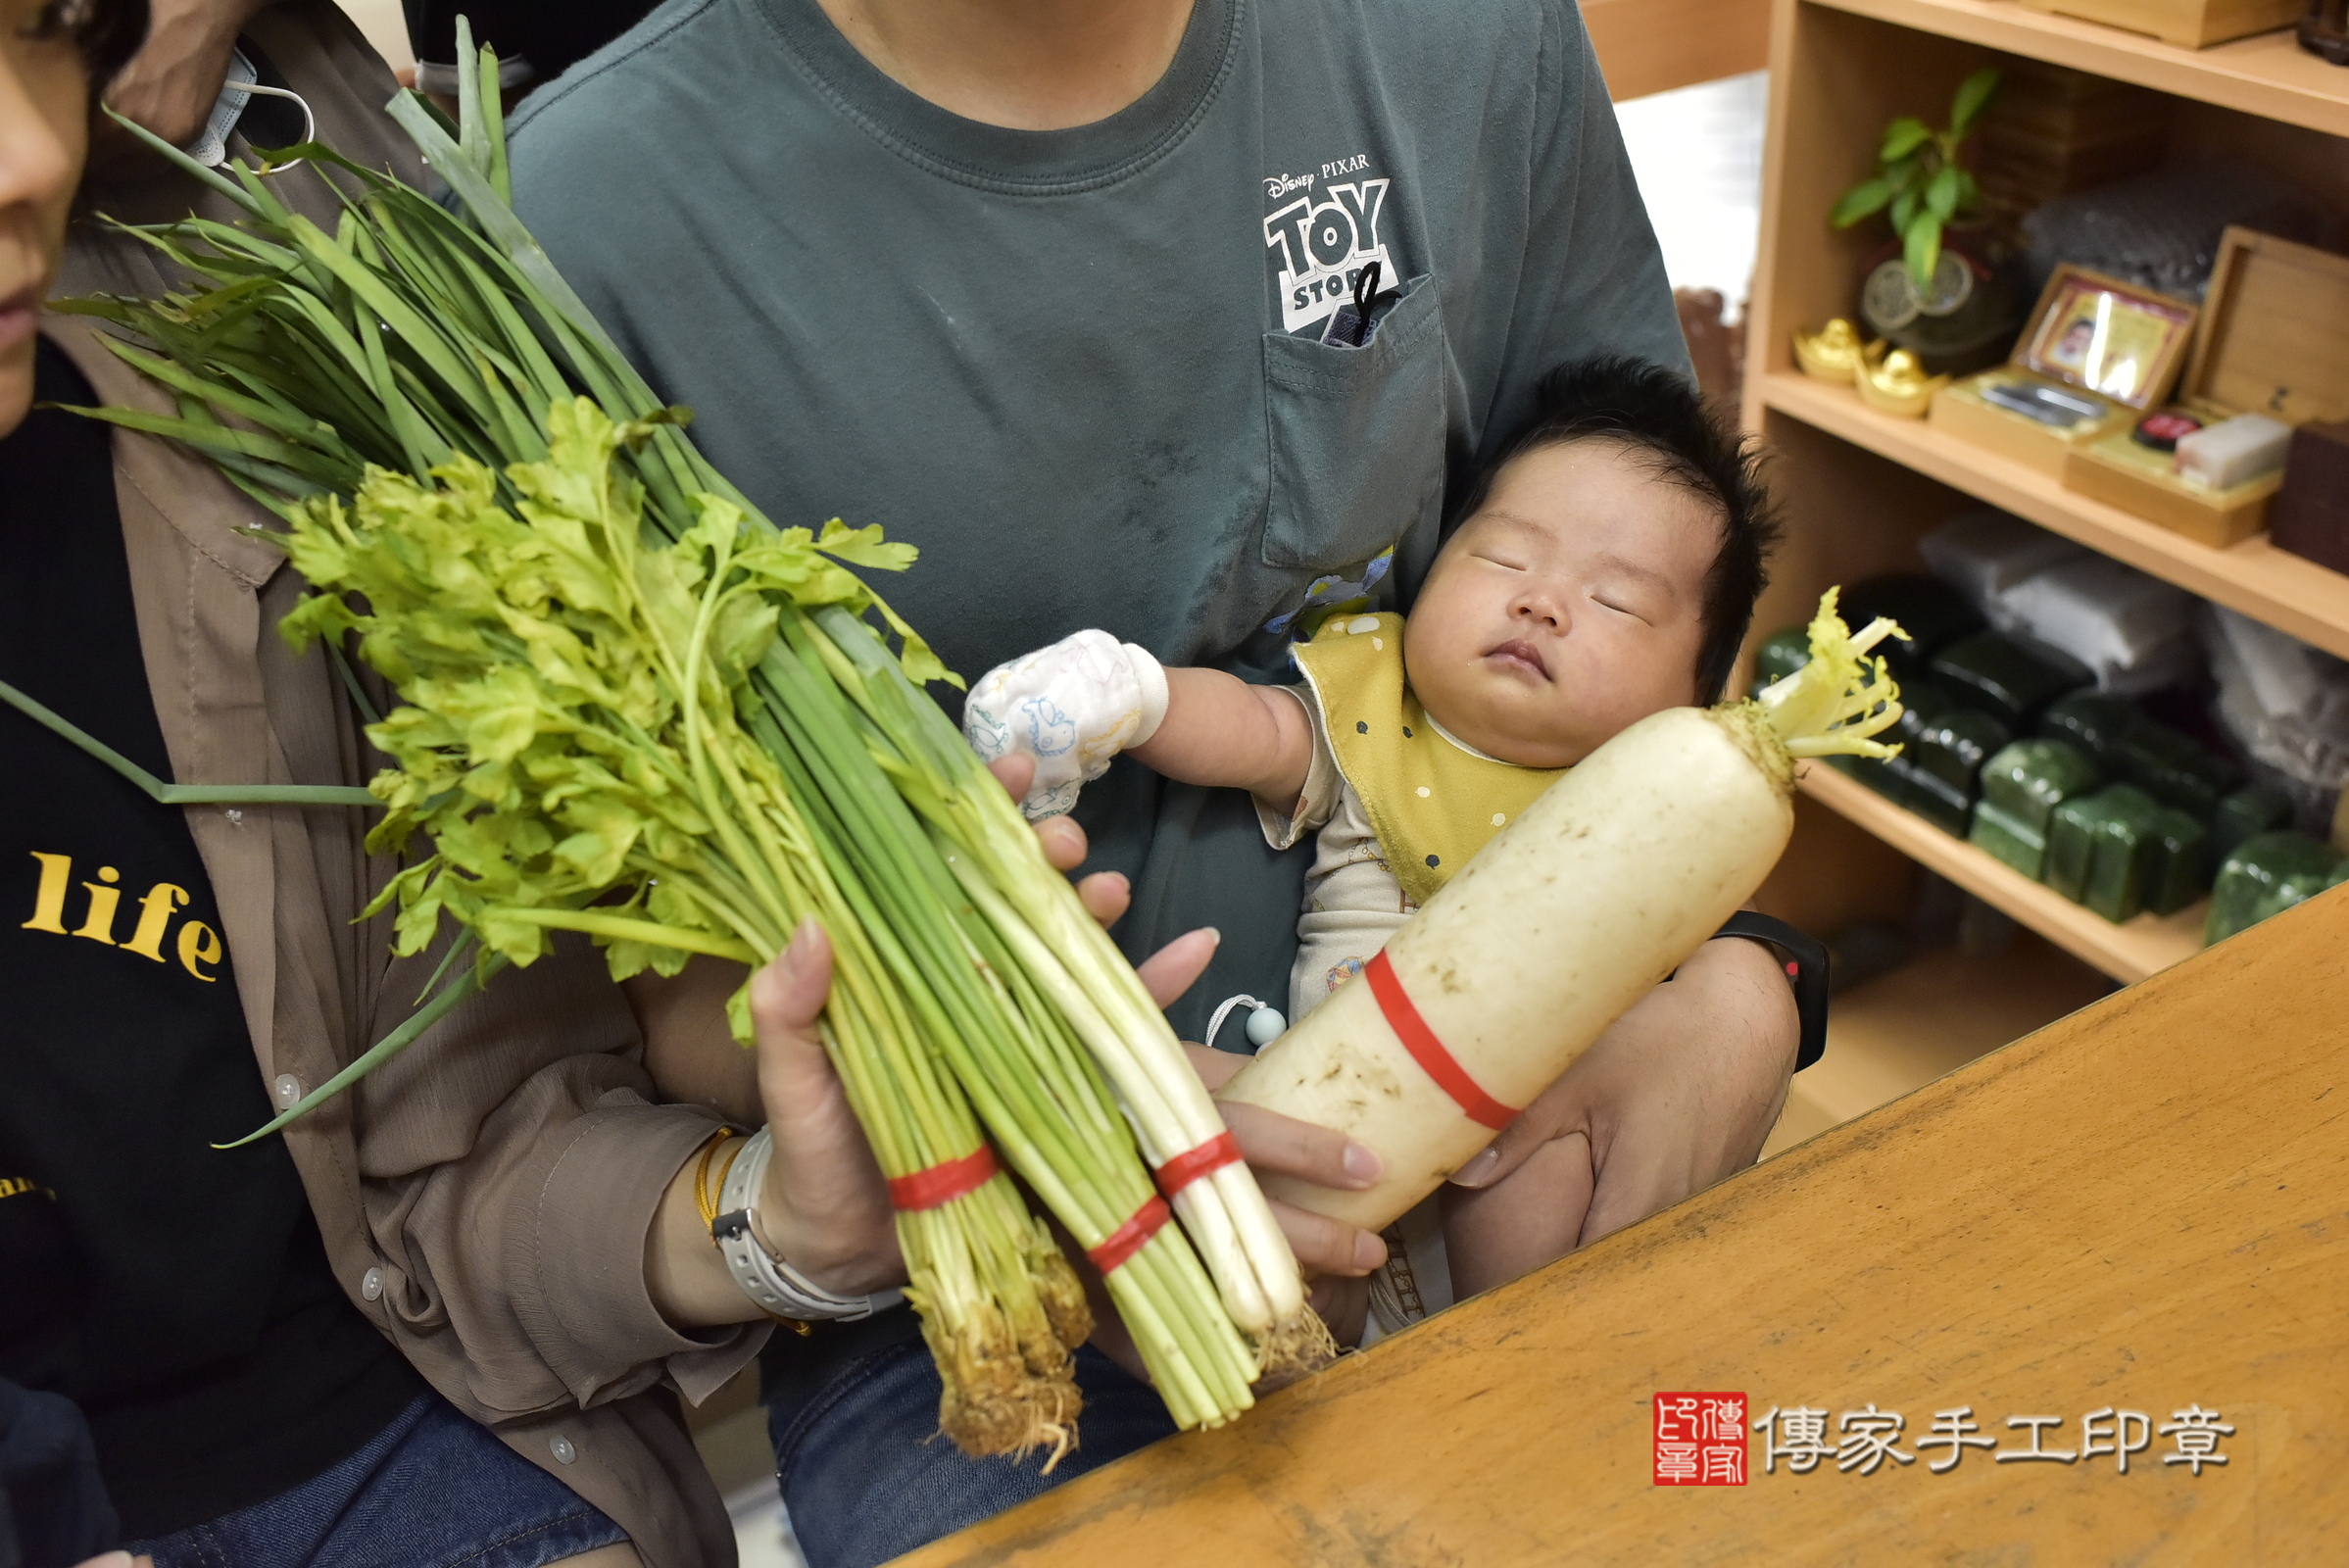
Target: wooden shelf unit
(2144, 945)
(2268, 74)
(1860, 488)
(2275, 586)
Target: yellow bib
(1433, 803)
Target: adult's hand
(1270, 1142)
(825, 1205)
(172, 84)
(1283, 1145)
(1680, 1092)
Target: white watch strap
(773, 1285)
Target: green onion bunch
(632, 707)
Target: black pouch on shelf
(2000, 675)
(1933, 614)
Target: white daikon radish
(1595, 893)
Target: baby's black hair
(1660, 414)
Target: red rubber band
(1131, 1237)
(942, 1182)
(1192, 1163)
(1426, 1049)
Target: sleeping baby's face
(1567, 608)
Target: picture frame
(2122, 342)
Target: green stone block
(2029, 779)
(2176, 871)
(1890, 777)
(1946, 805)
(2172, 768)
(2091, 720)
(2099, 847)
(1885, 775)
(2008, 838)
(2267, 874)
(2252, 810)
(1954, 745)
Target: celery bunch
(634, 708)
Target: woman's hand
(1270, 1140)
(824, 1207)
(1681, 1091)
(1286, 1147)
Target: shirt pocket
(1356, 436)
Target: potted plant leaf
(1937, 289)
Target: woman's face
(44, 127)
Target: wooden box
(2056, 130)
(2275, 340)
(2311, 514)
(2188, 24)
(2108, 349)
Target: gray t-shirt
(1083, 369)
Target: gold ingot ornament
(1897, 383)
(1833, 352)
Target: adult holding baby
(1180, 318)
(446, 1318)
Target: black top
(179, 1293)
(551, 38)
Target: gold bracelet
(704, 1199)
(704, 1194)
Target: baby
(1606, 570)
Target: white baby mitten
(1072, 707)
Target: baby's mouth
(1518, 653)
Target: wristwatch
(1805, 959)
(774, 1285)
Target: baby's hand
(1072, 707)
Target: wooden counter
(2145, 1205)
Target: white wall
(1698, 153)
(386, 28)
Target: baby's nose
(1540, 608)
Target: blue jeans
(866, 1476)
(433, 1489)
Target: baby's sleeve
(1318, 801)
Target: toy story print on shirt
(1323, 231)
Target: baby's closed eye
(1623, 605)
